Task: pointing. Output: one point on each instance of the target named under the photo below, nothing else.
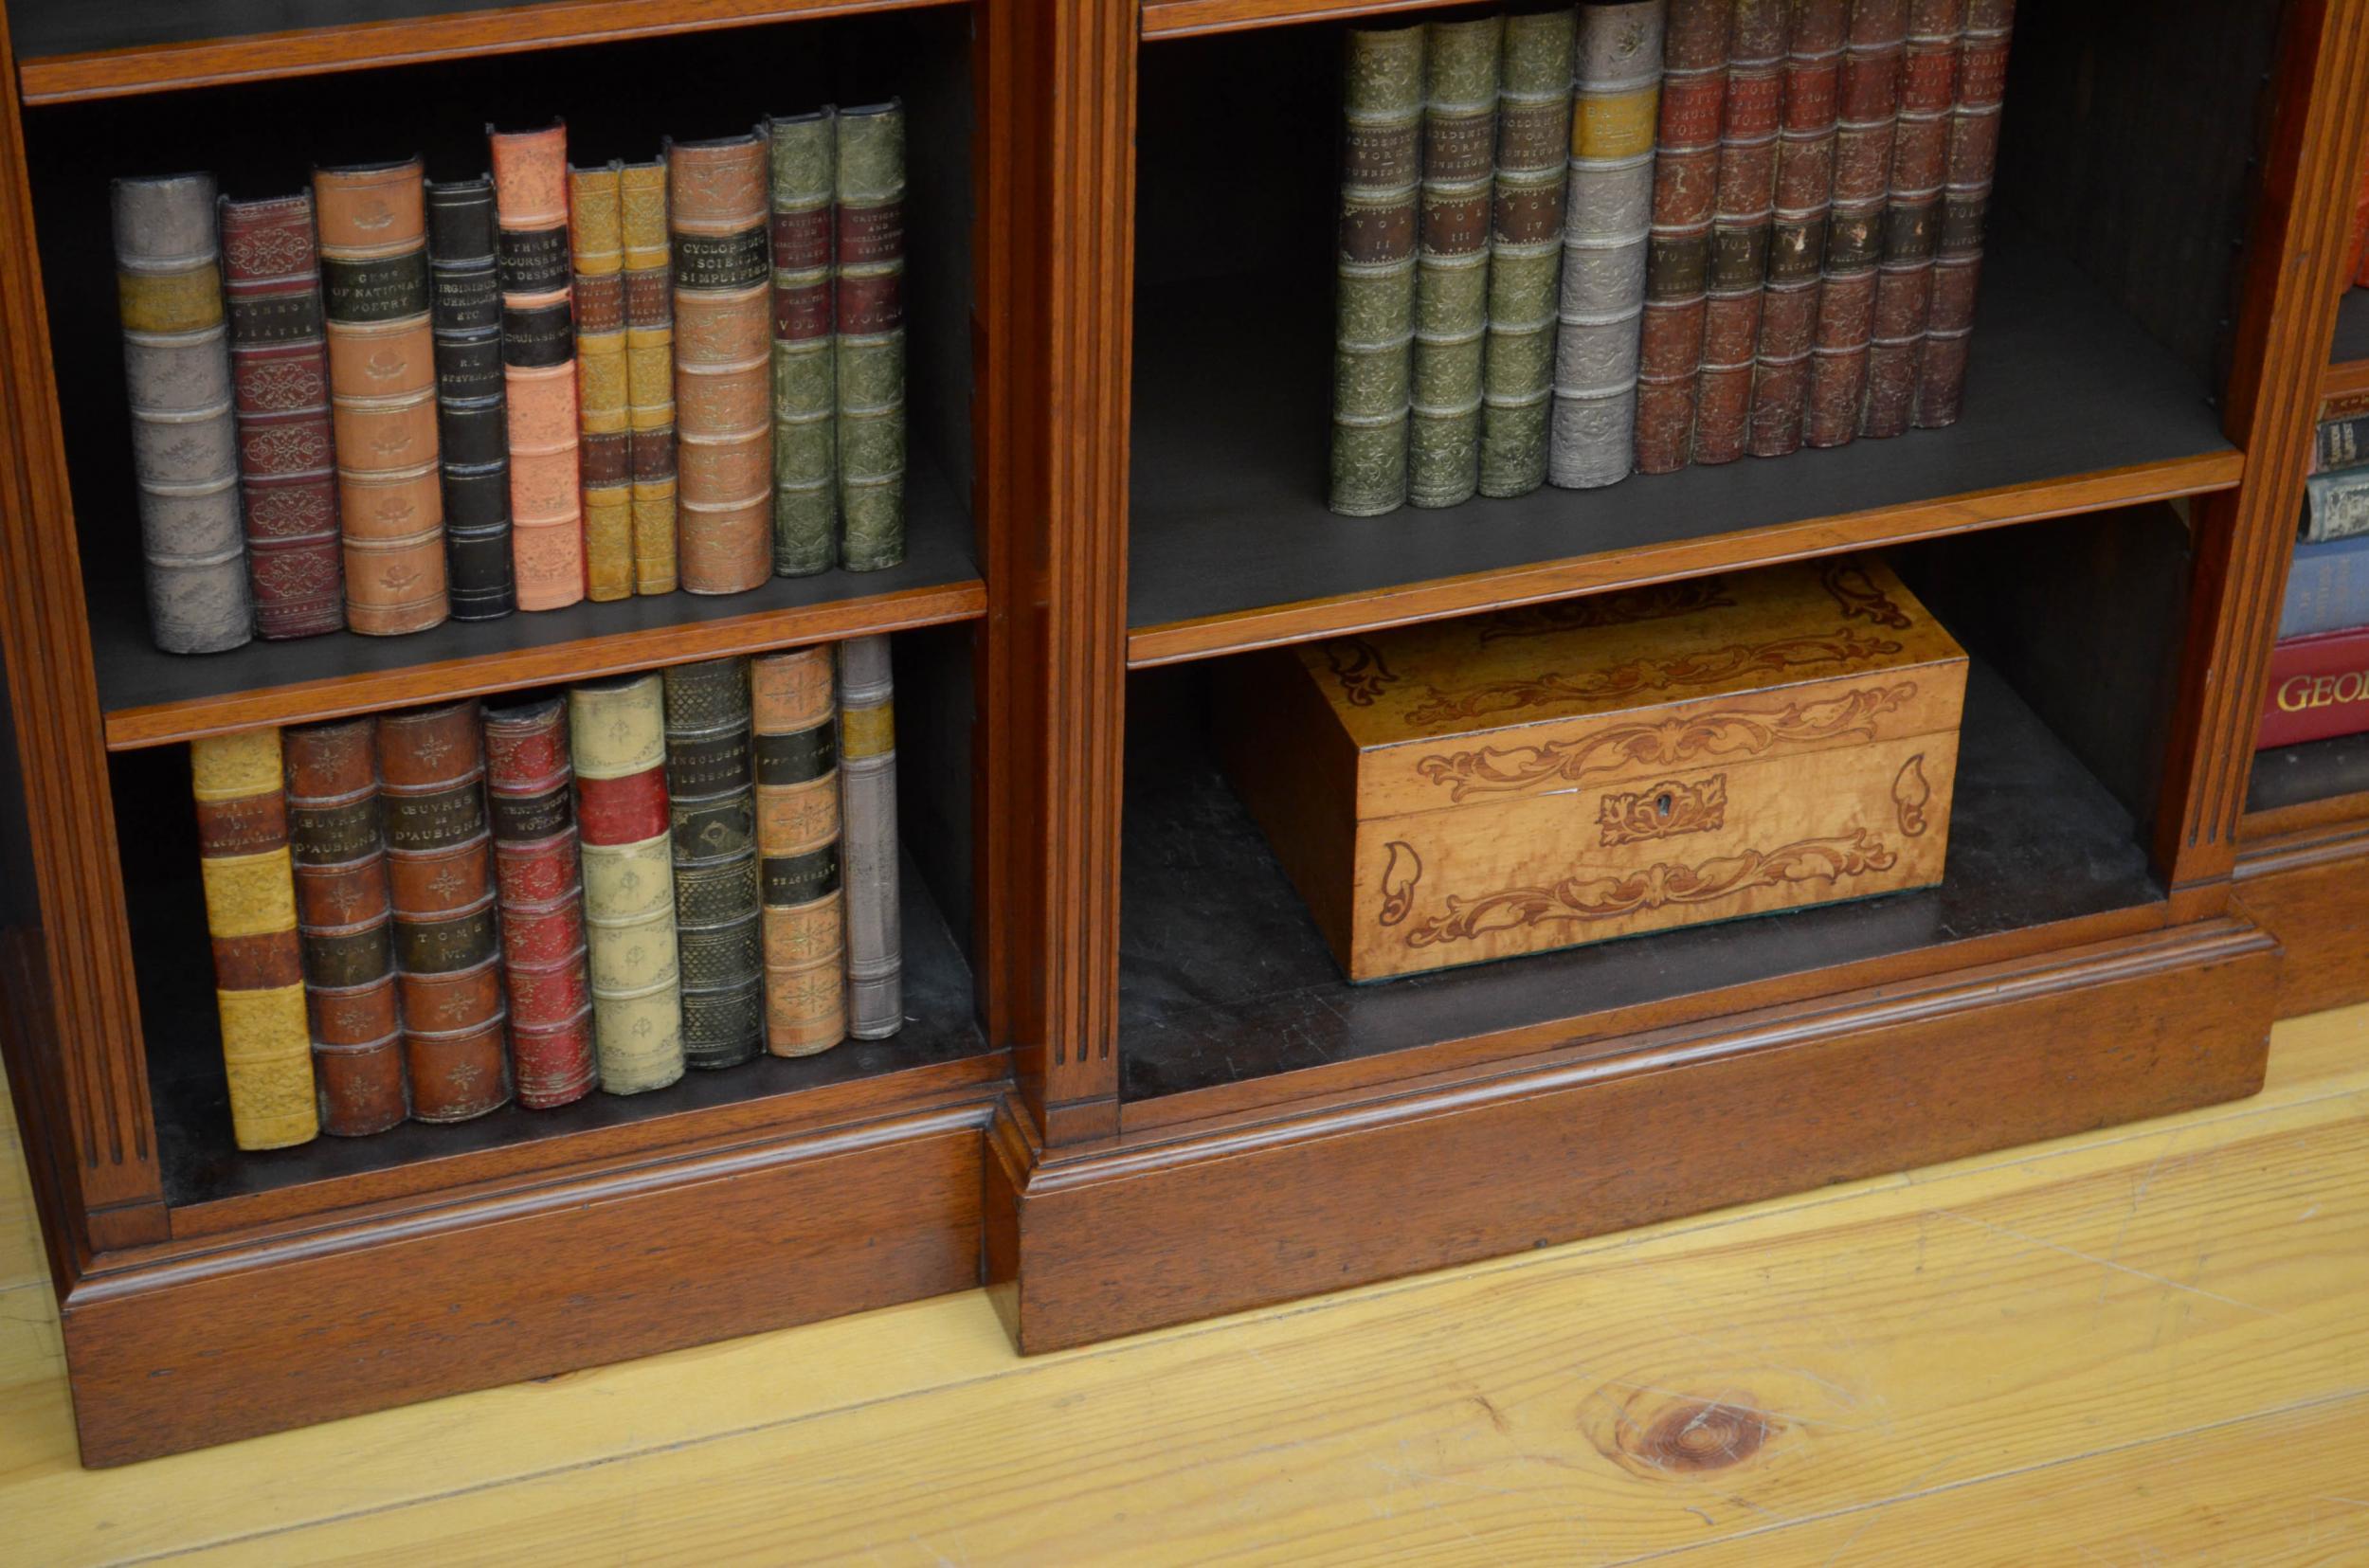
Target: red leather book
(1904, 283)
(1796, 245)
(1973, 157)
(2318, 688)
(1677, 254)
(448, 948)
(1740, 229)
(1854, 223)
(279, 377)
(529, 790)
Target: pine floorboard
(2148, 1345)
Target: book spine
(868, 318)
(184, 449)
(439, 879)
(2328, 588)
(1608, 209)
(1797, 247)
(723, 363)
(372, 223)
(712, 808)
(596, 236)
(539, 365)
(1912, 216)
(867, 771)
(251, 916)
(805, 157)
(798, 840)
(1971, 159)
(530, 791)
(2341, 443)
(345, 925)
(1743, 216)
(1452, 260)
(1678, 249)
(1382, 96)
(1855, 222)
(617, 736)
(1526, 248)
(2318, 688)
(2336, 506)
(649, 371)
(471, 417)
(279, 377)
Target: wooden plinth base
(2309, 888)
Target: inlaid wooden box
(1543, 777)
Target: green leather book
(1382, 107)
(1452, 260)
(871, 336)
(1526, 248)
(806, 429)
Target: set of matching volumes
(1639, 235)
(389, 401)
(428, 914)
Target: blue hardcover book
(2328, 588)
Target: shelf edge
(1196, 18)
(2345, 378)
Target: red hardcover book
(2318, 688)
(1740, 229)
(530, 787)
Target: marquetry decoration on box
(1559, 774)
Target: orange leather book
(797, 831)
(723, 363)
(539, 364)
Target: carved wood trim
(1844, 646)
(1666, 810)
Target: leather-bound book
(1382, 100)
(617, 736)
(1797, 244)
(539, 364)
(868, 324)
(251, 916)
(1739, 230)
(529, 792)
(439, 873)
(1678, 253)
(650, 372)
(1855, 222)
(372, 221)
(1973, 159)
(711, 793)
(867, 776)
(1608, 206)
(184, 451)
(1524, 248)
(1912, 215)
(472, 415)
(344, 920)
(723, 364)
(279, 373)
(595, 226)
(805, 157)
(798, 821)
(1452, 260)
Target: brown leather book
(606, 454)
(1677, 257)
(797, 832)
(539, 364)
(1869, 107)
(1796, 245)
(1965, 202)
(723, 363)
(1912, 214)
(1739, 230)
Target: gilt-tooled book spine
(539, 364)
(472, 416)
(1452, 260)
(798, 827)
(805, 156)
(1912, 215)
(868, 326)
(649, 371)
(867, 774)
(440, 876)
(1678, 253)
(184, 451)
(1869, 109)
(1608, 208)
(597, 237)
(617, 735)
(1973, 159)
(1753, 114)
(1382, 94)
(372, 221)
(279, 375)
(712, 806)
(723, 364)
(251, 916)
(344, 919)
(530, 793)
(1526, 248)
(1796, 245)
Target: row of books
(389, 401)
(1634, 236)
(426, 914)
(2319, 679)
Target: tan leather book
(798, 826)
(539, 364)
(605, 450)
(723, 363)
(650, 372)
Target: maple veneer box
(1564, 773)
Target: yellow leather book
(649, 276)
(606, 441)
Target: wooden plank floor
(2144, 1345)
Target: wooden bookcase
(1132, 1090)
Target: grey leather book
(1452, 260)
(867, 774)
(712, 802)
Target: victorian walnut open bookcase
(1132, 1088)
